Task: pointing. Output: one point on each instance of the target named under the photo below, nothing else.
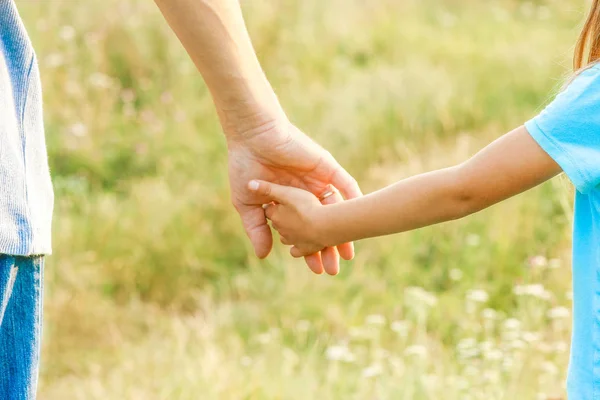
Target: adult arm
(261, 141)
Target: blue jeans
(21, 289)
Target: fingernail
(253, 185)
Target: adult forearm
(215, 36)
(409, 204)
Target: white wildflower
(473, 240)
(531, 337)
(486, 345)
(535, 290)
(467, 343)
(302, 325)
(467, 348)
(416, 350)
(54, 60)
(559, 312)
(561, 346)
(372, 371)
(507, 363)
(420, 295)
(264, 338)
(491, 376)
(538, 262)
(493, 355)
(512, 324)
(78, 129)
(489, 314)
(339, 353)
(100, 80)
(456, 274)
(400, 327)
(549, 368)
(67, 33)
(358, 332)
(477, 296)
(517, 344)
(375, 319)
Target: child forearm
(409, 204)
(508, 166)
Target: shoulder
(584, 80)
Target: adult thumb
(272, 191)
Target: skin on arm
(508, 166)
(261, 141)
(214, 34)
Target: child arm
(506, 167)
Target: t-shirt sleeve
(568, 129)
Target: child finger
(270, 210)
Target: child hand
(297, 216)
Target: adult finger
(284, 241)
(331, 260)
(297, 253)
(345, 183)
(257, 229)
(314, 262)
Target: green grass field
(153, 291)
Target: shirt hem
(25, 251)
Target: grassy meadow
(153, 291)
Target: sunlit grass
(153, 291)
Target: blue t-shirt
(569, 131)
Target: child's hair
(587, 48)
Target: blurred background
(153, 291)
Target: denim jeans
(21, 290)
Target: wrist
(326, 231)
(248, 112)
(248, 121)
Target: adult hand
(279, 152)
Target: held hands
(275, 150)
(296, 214)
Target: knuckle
(267, 190)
